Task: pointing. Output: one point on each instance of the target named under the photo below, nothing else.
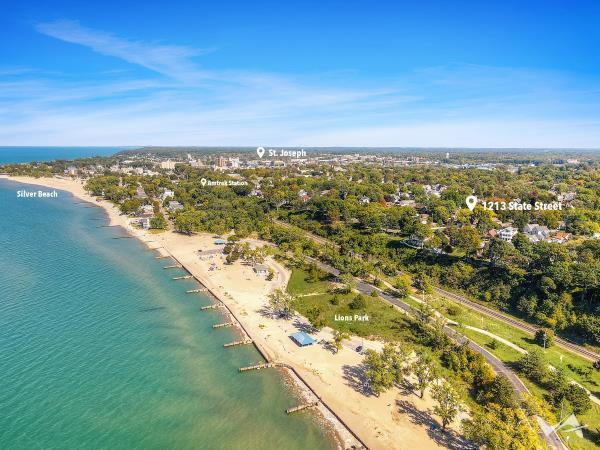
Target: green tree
(466, 238)
(358, 302)
(578, 398)
(378, 373)
(348, 282)
(500, 392)
(422, 282)
(534, 366)
(281, 302)
(131, 206)
(158, 222)
(447, 402)
(499, 251)
(314, 274)
(314, 317)
(338, 338)
(186, 222)
(403, 286)
(424, 370)
(501, 429)
(398, 360)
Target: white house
(168, 164)
(536, 232)
(506, 234)
(303, 195)
(436, 189)
(167, 193)
(174, 206)
(261, 269)
(144, 222)
(140, 193)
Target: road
(531, 329)
(552, 439)
(577, 349)
(366, 288)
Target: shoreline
(354, 419)
(306, 392)
(303, 391)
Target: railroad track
(553, 440)
(561, 342)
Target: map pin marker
(260, 151)
(203, 181)
(471, 202)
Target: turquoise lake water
(100, 349)
(27, 154)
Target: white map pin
(203, 181)
(471, 202)
(260, 151)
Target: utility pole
(544, 339)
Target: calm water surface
(100, 349)
(28, 154)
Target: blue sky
(427, 73)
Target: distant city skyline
(474, 75)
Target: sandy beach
(395, 420)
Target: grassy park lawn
(385, 321)
(510, 355)
(464, 316)
(591, 419)
(388, 323)
(298, 284)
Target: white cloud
(181, 104)
(170, 60)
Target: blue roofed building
(302, 339)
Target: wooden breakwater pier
(266, 357)
(223, 325)
(259, 366)
(301, 407)
(193, 291)
(213, 306)
(183, 277)
(236, 343)
(173, 266)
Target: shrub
(578, 398)
(534, 366)
(544, 337)
(453, 310)
(500, 392)
(359, 302)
